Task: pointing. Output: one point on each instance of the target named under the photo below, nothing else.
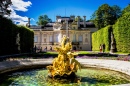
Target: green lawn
(79, 52)
(51, 52)
(122, 53)
(86, 52)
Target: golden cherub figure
(65, 63)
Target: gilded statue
(65, 63)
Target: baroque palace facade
(50, 35)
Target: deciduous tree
(105, 15)
(43, 20)
(116, 13)
(4, 4)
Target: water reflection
(89, 77)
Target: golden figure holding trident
(65, 65)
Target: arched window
(80, 38)
(50, 38)
(74, 37)
(56, 36)
(35, 38)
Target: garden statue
(65, 65)
(113, 45)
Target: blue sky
(34, 8)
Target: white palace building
(50, 35)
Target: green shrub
(122, 33)
(26, 39)
(102, 36)
(8, 37)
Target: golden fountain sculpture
(65, 65)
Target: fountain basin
(9, 66)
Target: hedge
(101, 36)
(8, 37)
(121, 32)
(26, 39)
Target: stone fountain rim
(97, 63)
(11, 66)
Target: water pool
(89, 77)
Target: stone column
(84, 21)
(67, 31)
(28, 22)
(41, 39)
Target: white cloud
(19, 5)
